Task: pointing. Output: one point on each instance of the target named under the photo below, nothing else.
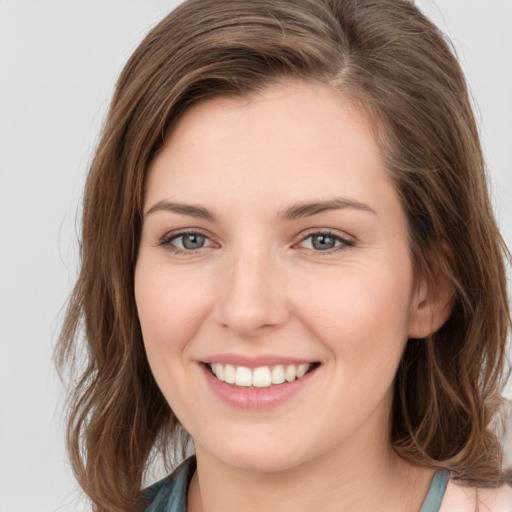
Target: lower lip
(255, 398)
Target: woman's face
(273, 243)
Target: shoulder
(170, 493)
(460, 498)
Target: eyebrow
(307, 209)
(182, 209)
(297, 211)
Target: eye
(325, 241)
(186, 241)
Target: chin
(261, 457)
(261, 462)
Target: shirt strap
(436, 492)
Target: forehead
(311, 107)
(291, 133)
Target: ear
(432, 302)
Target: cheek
(170, 308)
(361, 314)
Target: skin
(259, 286)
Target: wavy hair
(399, 68)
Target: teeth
(243, 376)
(261, 377)
(229, 374)
(290, 373)
(302, 369)
(218, 371)
(278, 374)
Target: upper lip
(254, 361)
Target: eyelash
(166, 242)
(344, 243)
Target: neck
(359, 478)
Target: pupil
(193, 241)
(323, 242)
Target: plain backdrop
(58, 64)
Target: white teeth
(290, 373)
(229, 374)
(301, 370)
(243, 376)
(261, 377)
(278, 374)
(219, 371)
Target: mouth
(261, 376)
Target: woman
(289, 254)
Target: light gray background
(58, 65)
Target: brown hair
(387, 57)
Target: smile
(259, 383)
(260, 377)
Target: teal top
(170, 494)
(435, 494)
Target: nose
(252, 299)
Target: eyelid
(346, 241)
(166, 240)
(183, 231)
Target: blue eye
(325, 242)
(187, 242)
